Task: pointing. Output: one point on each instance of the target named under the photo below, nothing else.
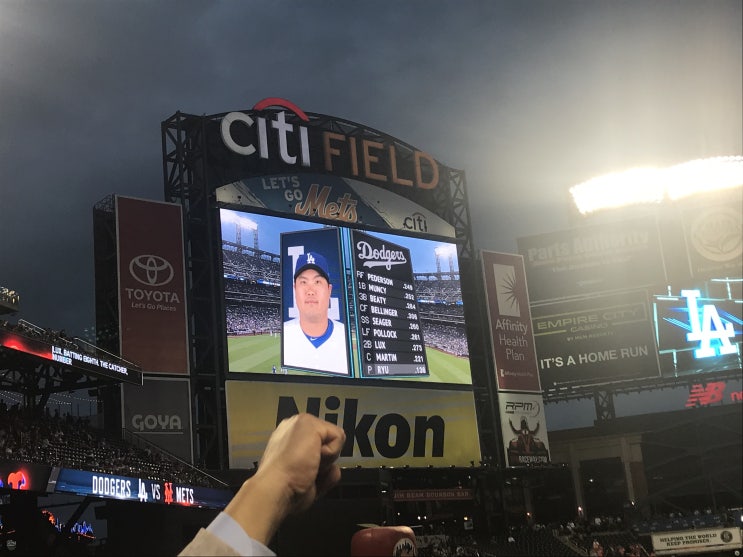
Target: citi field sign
(288, 136)
(278, 157)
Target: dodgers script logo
(381, 257)
(151, 270)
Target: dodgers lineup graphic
(391, 332)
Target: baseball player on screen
(313, 340)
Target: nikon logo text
(388, 435)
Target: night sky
(528, 98)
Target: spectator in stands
(313, 340)
(297, 466)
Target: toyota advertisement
(152, 294)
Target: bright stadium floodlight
(653, 185)
(704, 175)
(637, 185)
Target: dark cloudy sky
(528, 97)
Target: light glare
(653, 185)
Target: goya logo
(388, 435)
(159, 423)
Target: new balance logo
(704, 395)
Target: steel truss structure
(36, 382)
(603, 395)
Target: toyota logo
(151, 270)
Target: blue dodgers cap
(312, 260)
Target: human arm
(298, 465)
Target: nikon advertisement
(384, 425)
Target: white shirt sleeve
(231, 533)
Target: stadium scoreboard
(391, 332)
(387, 229)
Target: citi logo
(416, 221)
(151, 270)
(283, 129)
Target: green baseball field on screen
(259, 353)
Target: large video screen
(308, 299)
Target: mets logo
(151, 270)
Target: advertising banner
(714, 393)
(152, 288)
(509, 316)
(334, 198)
(384, 425)
(714, 240)
(696, 541)
(595, 340)
(433, 494)
(159, 412)
(82, 357)
(523, 429)
(593, 259)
